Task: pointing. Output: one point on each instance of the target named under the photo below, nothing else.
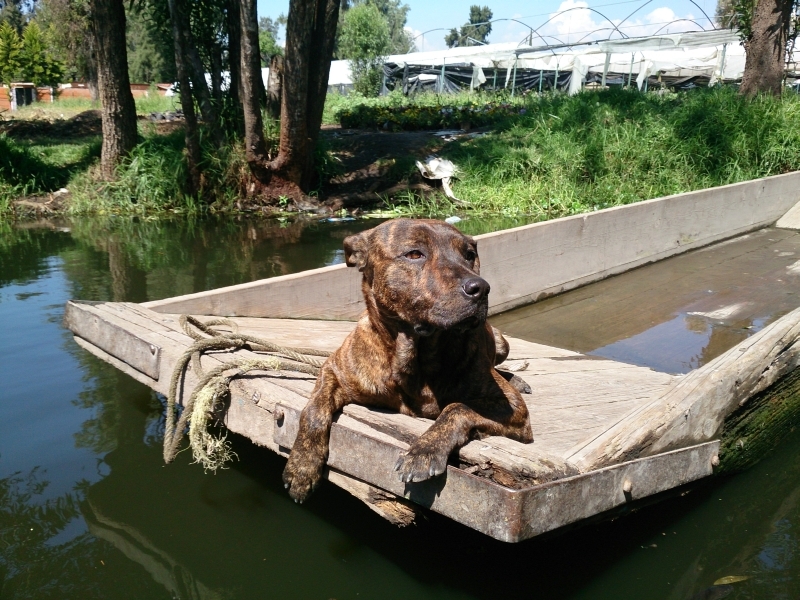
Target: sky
(577, 18)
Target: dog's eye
(414, 255)
(471, 256)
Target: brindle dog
(422, 348)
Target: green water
(88, 509)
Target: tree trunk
(310, 37)
(235, 64)
(216, 75)
(255, 144)
(766, 48)
(275, 87)
(119, 111)
(180, 22)
(91, 70)
(200, 88)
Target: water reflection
(88, 510)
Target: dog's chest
(424, 383)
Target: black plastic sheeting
(458, 77)
(667, 81)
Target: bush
(427, 111)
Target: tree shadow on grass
(22, 166)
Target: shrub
(427, 111)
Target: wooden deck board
(572, 394)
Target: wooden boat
(607, 433)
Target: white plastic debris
(442, 169)
(452, 220)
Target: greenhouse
(676, 60)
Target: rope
(213, 452)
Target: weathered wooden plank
(332, 293)
(559, 443)
(508, 515)
(522, 463)
(322, 335)
(554, 505)
(134, 315)
(534, 261)
(116, 341)
(753, 430)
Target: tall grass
(153, 178)
(594, 150)
(154, 102)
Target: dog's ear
(477, 267)
(355, 250)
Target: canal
(89, 510)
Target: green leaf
(731, 579)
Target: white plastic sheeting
(678, 54)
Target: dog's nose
(476, 288)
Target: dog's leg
(310, 451)
(427, 456)
(501, 346)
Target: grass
(568, 155)
(152, 179)
(551, 156)
(42, 166)
(66, 108)
(422, 111)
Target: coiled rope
(213, 452)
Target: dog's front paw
(420, 463)
(302, 474)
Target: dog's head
(422, 272)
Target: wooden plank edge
(553, 505)
(114, 340)
(503, 513)
(346, 302)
